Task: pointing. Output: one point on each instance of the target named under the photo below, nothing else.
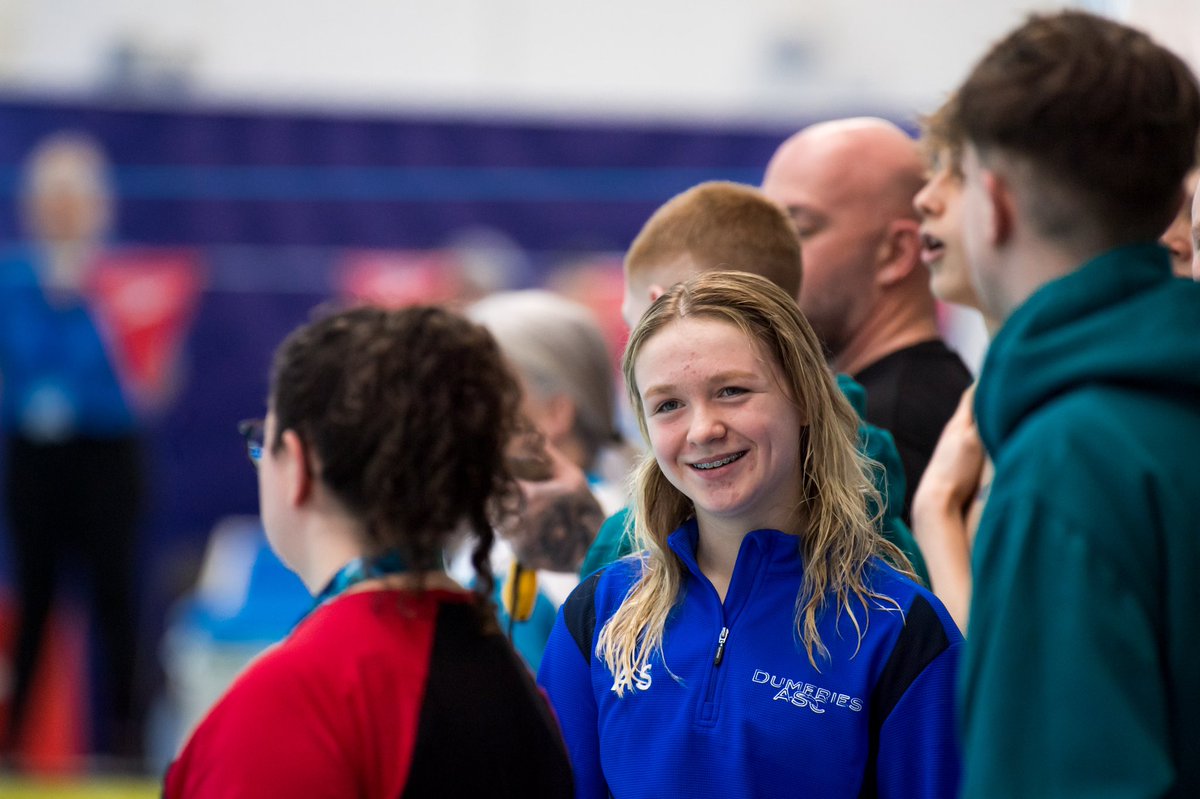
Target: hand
(942, 511)
(951, 480)
(560, 518)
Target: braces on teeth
(718, 464)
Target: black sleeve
(579, 613)
(485, 728)
(921, 641)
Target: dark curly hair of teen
(407, 415)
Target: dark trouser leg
(105, 535)
(36, 525)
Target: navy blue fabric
(208, 176)
(270, 200)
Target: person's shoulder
(326, 644)
(933, 365)
(1088, 426)
(1105, 459)
(617, 522)
(854, 393)
(266, 688)
(609, 583)
(611, 543)
(276, 699)
(938, 350)
(916, 604)
(16, 269)
(337, 636)
(883, 577)
(597, 597)
(277, 668)
(933, 354)
(919, 385)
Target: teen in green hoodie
(1082, 671)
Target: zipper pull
(721, 646)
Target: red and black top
(380, 694)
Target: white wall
(766, 59)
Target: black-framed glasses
(252, 431)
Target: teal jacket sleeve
(612, 542)
(879, 446)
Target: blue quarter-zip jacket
(734, 708)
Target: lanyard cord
(358, 570)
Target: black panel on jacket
(478, 733)
(921, 641)
(579, 613)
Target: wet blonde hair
(841, 537)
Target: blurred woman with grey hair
(558, 349)
(566, 372)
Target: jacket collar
(760, 551)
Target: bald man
(848, 186)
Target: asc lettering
(803, 694)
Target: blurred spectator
(559, 354)
(74, 477)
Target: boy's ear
(655, 291)
(1001, 206)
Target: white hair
(558, 348)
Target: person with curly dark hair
(386, 433)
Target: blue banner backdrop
(270, 203)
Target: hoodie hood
(1121, 319)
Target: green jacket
(615, 540)
(1082, 670)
